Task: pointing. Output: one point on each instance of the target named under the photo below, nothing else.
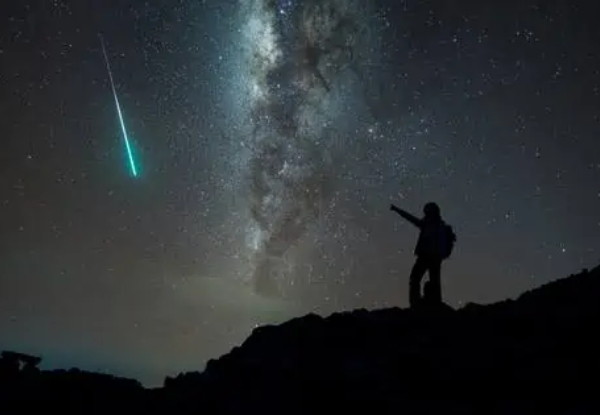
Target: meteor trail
(114, 90)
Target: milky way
(274, 135)
(296, 56)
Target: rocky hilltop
(537, 353)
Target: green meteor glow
(126, 138)
(134, 170)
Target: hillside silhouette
(539, 353)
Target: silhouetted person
(435, 244)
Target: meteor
(134, 171)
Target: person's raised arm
(412, 219)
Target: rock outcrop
(539, 353)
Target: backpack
(448, 238)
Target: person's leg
(435, 283)
(427, 292)
(414, 283)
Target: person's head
(431, 210)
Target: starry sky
(271, 137)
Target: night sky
(271, 138)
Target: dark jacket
(430, 238)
